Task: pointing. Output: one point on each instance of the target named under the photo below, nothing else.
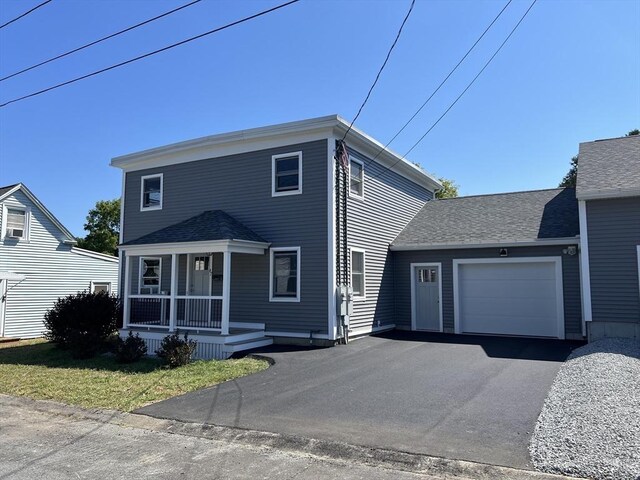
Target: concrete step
(246, 345)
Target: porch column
(226, 291)
(174, 292)
(126, 291)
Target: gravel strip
(590, 421)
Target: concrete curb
(328, 450)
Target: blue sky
(571, 73)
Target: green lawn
(36, 369)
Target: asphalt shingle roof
(4, 190)
(609, 165)
(208, 226)
(498, 218)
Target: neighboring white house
(40, 263)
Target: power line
(381, 69)
(57, 57)
(140, 57)
(441, 83)
(25, 14)
(461, 94)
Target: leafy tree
(449, 189)
(571, 177)
(103, 225)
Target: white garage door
(510, 298)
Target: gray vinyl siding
(613, 228)
(390, 202)
(240, 185)
(403, 261)
(52, 269)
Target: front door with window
(427, 298)
(201, 276)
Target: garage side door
(509, 299)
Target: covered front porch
(185, 286)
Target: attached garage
(514, 296)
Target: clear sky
(570, 73)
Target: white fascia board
(9, 192)
(98, 255)
(235, 246)
(607, 194)
(515, 243)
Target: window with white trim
(286, 174)
(285, 274)
(97, 287)
(151, 192)
(358, 272)
(150, 275)
(356, 178)
(17, 223)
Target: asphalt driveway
(462, 397)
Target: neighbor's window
(16, 223)
(151, 192)
(150, 274)
(357, 272)
(356, 175)
(286, 174)
(285, 274)
(101, 287)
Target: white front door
(426, 293)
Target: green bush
(176, 351)
(82, 322)
(130, 349)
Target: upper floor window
(16, 223)
(285, 274)
(286, 174)
(150, 275)
(356, 178)
(357, 272)
(151, 192)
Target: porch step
(244, 335)
(246, 345)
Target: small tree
(449, 189)
(103, 225)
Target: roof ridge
(507, 193)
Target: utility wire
(140, 57)
(57, 57)
(441, 83)
(381, 69)
(25, 14)
(459, 96)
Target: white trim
(92, 286)
(247, 325)
(226, 291)
(92, 254)
(607, 194)
(557, 261)
(295, 299)
(505, 243)
(126, 291)
(584, 262)
(140, 272)
(146, 177)
(237, 246)
(17, 277)
(261, 138)
(352, 159)
(284, 193)
(358, 332)
(3, 303)
(27, 222)
(364, 272)
(122, 193)
(332, 327)
(273, 333)
(414, 312)
(173, 292)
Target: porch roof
(209, 226)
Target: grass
(37, 369)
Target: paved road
(39, 445)
(460, 397)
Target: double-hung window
(356, 178)
(285, 275)
(358, 272)
(286, 174)
(151, 192)
(150, 275)
(17, 223)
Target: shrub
(130, 349)
(82, 322)
(176, 351)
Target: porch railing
(192, 312)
